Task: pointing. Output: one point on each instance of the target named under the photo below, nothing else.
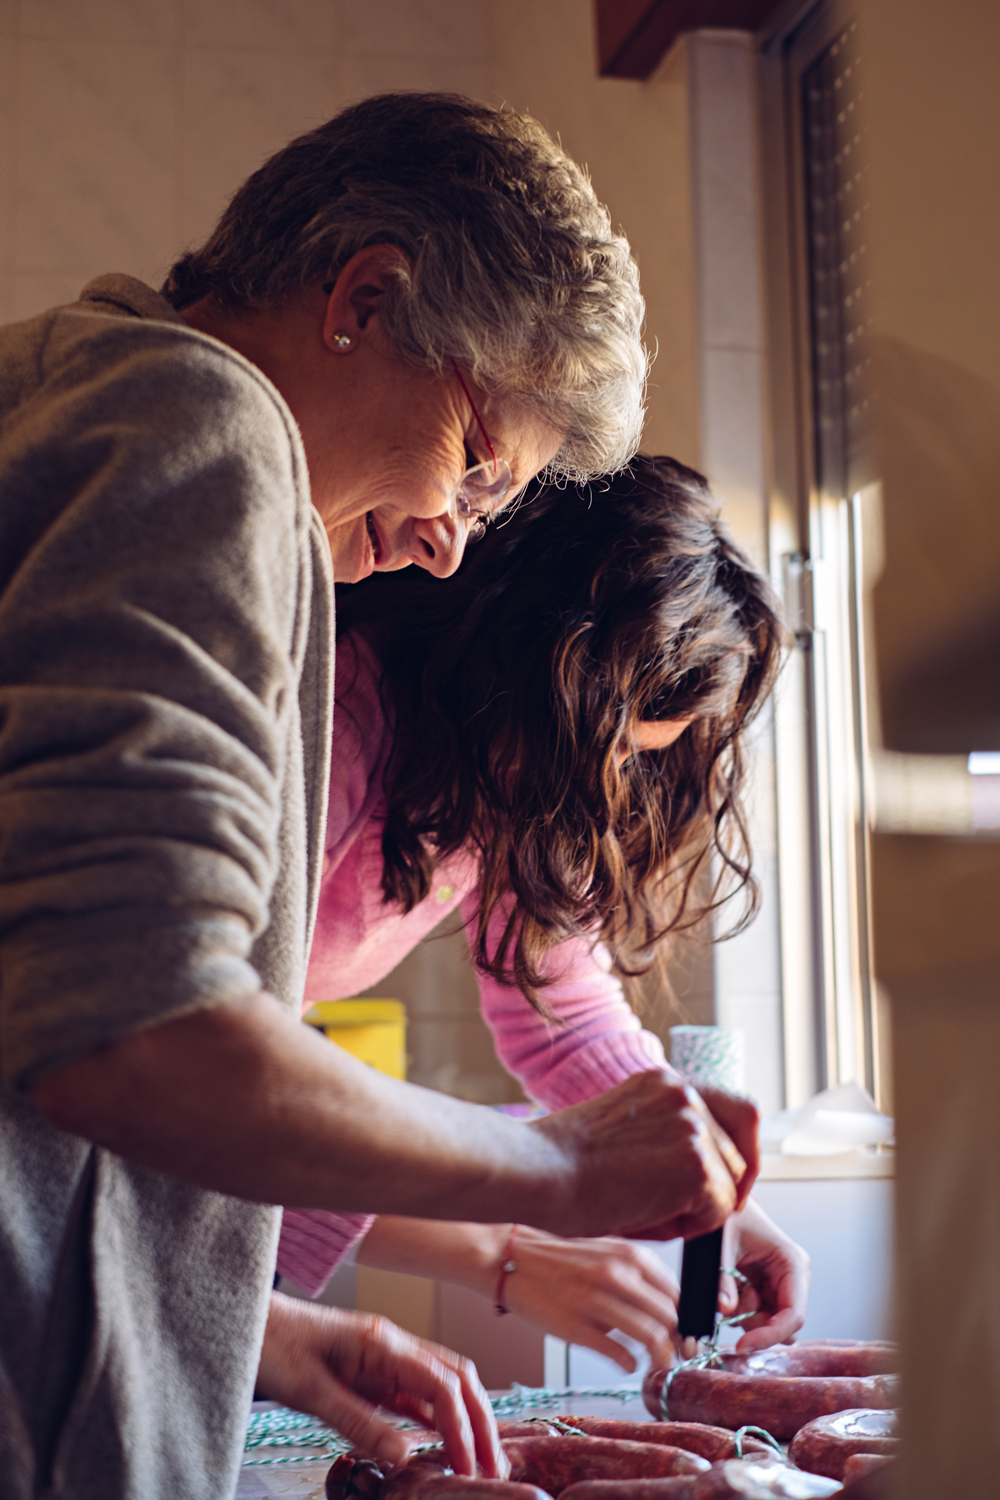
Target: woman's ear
(355, 298)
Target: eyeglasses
(483, 488)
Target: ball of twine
(714, 1055)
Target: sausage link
(423, 1478)
(820, 1358)
(677, 1488)
(825, 1445)
(350, 1475)
(410, 1483)
(858, 1465)
(530, 1427)
(713, 1443)
(777, 1389)
(780, 1406)
(750, 1479)
(554, 1463)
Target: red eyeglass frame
(475, 412)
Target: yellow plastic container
(374, 1031)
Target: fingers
(340, 1366)
(728, 1295)
(395, 1368)
(580, 1290)
(654, 1270)
(734, 1161)
(647, 1153)
(492, 1460)
(766, 1329)
(610, 1348)
(778, 1274)
(356, 1419)
(740, 1119)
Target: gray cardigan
(165, 713)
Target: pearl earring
(342, 340)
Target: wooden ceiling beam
(633, 36)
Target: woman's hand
(739, 1118)
(339, 1366)
(581, 1289)
(648, 1159)
(577, 1289)
(777, 1272)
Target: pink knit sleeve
(596, 1040)
(314, 1242)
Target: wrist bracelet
(507, 1267)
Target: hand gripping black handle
(700, 1285)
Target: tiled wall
(126, 124)
(448, 1045)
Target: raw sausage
(678, 1488)
(428, 1481)
(778, 1389)
(713, 1443)
(554, 1463)
(353, 1475)
(780, 1406)
(824, 1446)
(530, 1427)
(424, 1477)
(757, 1480)
(860, 1464)
(818, 1357)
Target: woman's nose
(438, 544)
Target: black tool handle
(700, 1285)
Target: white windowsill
(852, 1164)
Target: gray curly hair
(512, 267)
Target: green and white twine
(282, 1428)
(710, 1358)
(710, 1055)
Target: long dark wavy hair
(513, 687)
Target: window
(824, 534)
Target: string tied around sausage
(765, 1437)
(709, 1359)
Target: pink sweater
(598, 1041)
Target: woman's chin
(351, 550)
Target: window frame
(834, 1029)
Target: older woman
(399, 319)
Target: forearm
(243, 1099)
(468, 1254)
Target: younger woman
(551, 743)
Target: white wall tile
(274, 24)
(416, 28)
(95, 180)
(153, 22)
(846, 1227)
(723, 115)
(238, 108)
(733, 442)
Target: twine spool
(712, 1055)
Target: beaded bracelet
(507, 1267)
